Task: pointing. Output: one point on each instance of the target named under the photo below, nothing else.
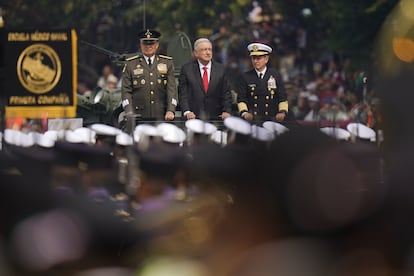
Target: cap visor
(259, 53)
(149, 41)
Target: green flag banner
(40, 73)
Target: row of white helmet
(167, 132)
(170, 132)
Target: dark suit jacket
(191, 94)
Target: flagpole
(144, 19)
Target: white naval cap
(103, 129)
(200, 126)
(336, 132)
(105, 134)
(88, 136)
(124, 139)
(42, 140)
(361, 131)
(259, 49)
(171, 133)
(52, 134)
(238, 125)
(275, 127)
(72, 136)
(145, 131)
(262, 134)
(18, 138)
(219, 137)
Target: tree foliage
(342, 25)
(337, 25)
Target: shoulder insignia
(166, 57)
(131, 58)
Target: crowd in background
(324, 86)
(327, 85)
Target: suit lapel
(213, 76)
(266, 76)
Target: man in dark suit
(203, 86)
(148, 84)
(261, 94)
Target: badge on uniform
(162, 68)
(271, 83)
(252, 86)
(138, 71)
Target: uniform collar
(263, 72)
(208, 65)
(152, 58)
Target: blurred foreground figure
(294, 208)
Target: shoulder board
(131, 58)
(166, 57)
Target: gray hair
(199, 41)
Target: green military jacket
(149, 91)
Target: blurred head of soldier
(158, 165)
(259, 54)
(64, 174)
(149, 42)
(203, 50)
(82, 167)
(112, 82)
(97, 165)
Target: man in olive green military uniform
(148, 84)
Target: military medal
(271, 83)
(252, 87)
(138, 71)
(162, 68)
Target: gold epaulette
(133, 57)
(166, 57)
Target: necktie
(149, 62)
(205, 78)
(260, 75)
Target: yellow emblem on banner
(39, 68)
